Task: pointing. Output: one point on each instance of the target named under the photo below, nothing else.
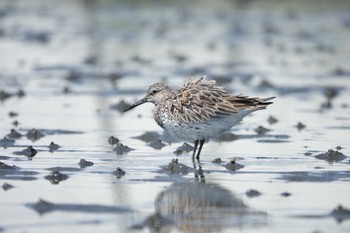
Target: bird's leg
(200, 148)
(195, 149)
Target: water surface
(76, 60)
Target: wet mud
(323, 176)
(149, 137)
(339, 213)
(44, 207)
(69, 69)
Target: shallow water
(76, 60)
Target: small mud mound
(14, 134)
(174, 167)
(340, 213)
(56, 177)
(252, 193)
(121, 149)
(34, 135)
(30, 152)
(53, 147)
(233, 166)
(184, 148)
(7, 186)
(113, 140)
(148, 136)
(217, 160)
(157, 144)
(119, 173)
(6, 142)
(331, 156)
(84, 163)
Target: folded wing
(199, 100)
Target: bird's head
(155, 94)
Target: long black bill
(141, 101)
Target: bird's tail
(267, 99)
(263, 102)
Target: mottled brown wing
(200, 100)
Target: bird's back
(204, 110)
(199, 100)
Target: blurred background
(68, 68)
(166, 39)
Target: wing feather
(199, 100)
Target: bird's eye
(154, 92)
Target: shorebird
(199, 110)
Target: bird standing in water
(199, 110)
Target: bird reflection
(198, 173)
(200, 207)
